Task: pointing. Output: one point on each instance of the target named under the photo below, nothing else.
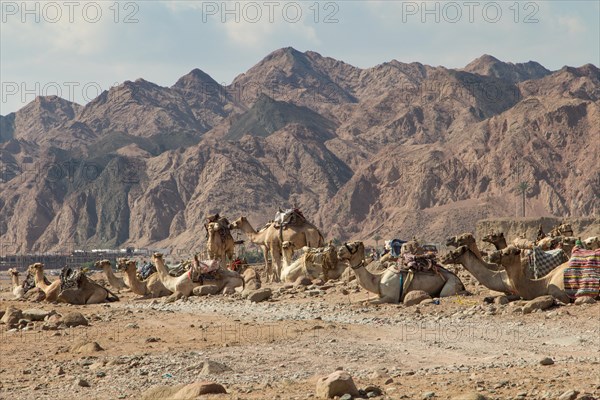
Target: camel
(51, 290)
(523, 243)
(592, 243)
(467, 239)
(387, 284)
(313, 263)
(115, 282)
(493, 280)
(220, 242)
(149, 288)
(497, 239)
(184, 286)
(561, 230)
(268, 238)
(77, 288)
(551, 284)
(18, 290)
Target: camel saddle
(204, 272)
(291, 216)
(70, 278)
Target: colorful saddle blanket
(582, 277)
(542, 262)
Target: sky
(77, 49)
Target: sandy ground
(278, 349)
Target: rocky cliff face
(395, 150)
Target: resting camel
(497, 239)
(493, 280)
(387, 284)
(183, 286)
(51, 290)
(116, 282)
(592, 243)
(467, 239)
(314, 263)
(552, 284)
(150, 288)
(18, 290)
(78, 289)
(268, 239)
(220, 243)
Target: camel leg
(452, 287)
(277, 265)
(559, 294)
(268, 266)
(174, 297)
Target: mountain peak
(195, 79)
(488, 65)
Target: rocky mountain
(399, 149)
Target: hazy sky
(77, 48)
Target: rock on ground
(74, 318)
(193, 390)
(161, 392)
(86, 347)
(336, 384)
(259, 295)
(12, 316)
(35, 314)
(213, 367)
(470, 396)
(415, 297)
(539, 303)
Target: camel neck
(494, 280)
(39, 279)
(136, 285)
(161, 268)
(15, 280)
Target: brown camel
(467, 239)
(77, 288)
(387, 284)
(51, 290)
(495, 238)
(493, 280)
(220, 244)
(149, 288)
(269, 239)
(114, 281)
(551, 284)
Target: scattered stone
(501, 300)
(389, 381)
(569, 395)
(346, 397)
(82, 382)
(196, 389)
(212, 367)
(585, 300)
(205, 290)
(373, 391)
(539, 303)
(337, 383)
(132, 325)
(415, 297)
(161, 392)
(546, 361)
(12, 316)
(86, 347)
(259, 295)
(74, 318)
(59, 371)
(470, 396)
(428, 395)
(35, 314)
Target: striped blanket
(542, 262)
(582, 277)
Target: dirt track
(277, 349)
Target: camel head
(287, 245)
(237, 224)
(157, 256)
(493, 237)
(35, 267)
(505, 256)
(460, 240)
(452, 256)
(351, 251)
(102, 263)
(592, 243)
(13, 272)
(213, 227)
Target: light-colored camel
(82, 290)
(314, 263)
(493, 280)
(51, 290)
(552, 284)
(220, 244)
(150, 288)
(387, 284)
(18, 290)
(563, 229)
(495, 238)
(114, 281)
(467, 239)
(184, 286)
(592, 243)
(269, 239)
(523, 243)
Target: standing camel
(220, 243)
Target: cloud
(573, 25)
